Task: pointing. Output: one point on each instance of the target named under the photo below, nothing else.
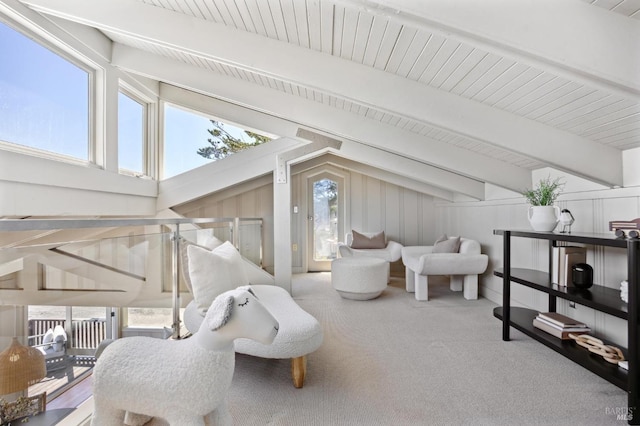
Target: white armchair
(463, 264)
(391, 252)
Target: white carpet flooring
(397, 361)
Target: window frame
(95, 91)
(148, 126)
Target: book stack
(564, 258)
(559, 325)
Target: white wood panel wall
(405, 215)
(592, 210)
(255, 201)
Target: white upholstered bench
(463, 268)
(299, 334)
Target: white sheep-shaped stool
(185, 382)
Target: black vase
(582, 275)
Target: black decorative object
(582, 275)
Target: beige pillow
(376, 241)
(446, 245)
(214, 272)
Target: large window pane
(44, 99)
(184, 133)
(131, 124)
(192, 140)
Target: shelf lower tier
(522, 320)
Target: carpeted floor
(397, 361)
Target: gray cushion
(361, 241)
(447, 245)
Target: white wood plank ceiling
(423, 56)
(630, 8)
(597, 111)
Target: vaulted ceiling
(480, 90)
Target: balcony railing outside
(85, 334)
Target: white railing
(113, 273)
(85, 333)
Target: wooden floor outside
(69, 386)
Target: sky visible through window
(185, 132)
(44, 99)
(44, 104)
(130, 134)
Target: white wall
(406, 216)
(592, 209)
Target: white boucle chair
(463, 268)
(300, 333)
(359, 278)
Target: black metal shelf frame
(597, 297)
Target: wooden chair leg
(298, 370)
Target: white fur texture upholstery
(359, 278)
(391, 253)
(463, 267)
(184, 382)
(300, 333)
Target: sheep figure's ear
(219, 312)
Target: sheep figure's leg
(220, 416)
(185, 419)
(104, 415)
(298, 370)
(134, 419)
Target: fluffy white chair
(359, 278)
(186, 381)
(458, 257)
(206, 270)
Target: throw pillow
(214, 272)
(209, 242)
(442, 238)
(47, 339)
(450, 245)
(59, 337)
(361, 241)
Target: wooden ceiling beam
(323, 118)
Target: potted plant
(543, 215)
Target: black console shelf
(597, 297)
(522, 320)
